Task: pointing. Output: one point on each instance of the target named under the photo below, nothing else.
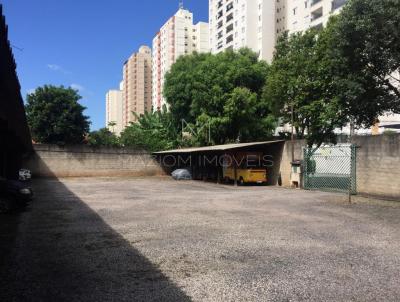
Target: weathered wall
(76, 161)
(378, 165)
(287, 159)
(377, 169)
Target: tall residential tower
(114, 109)
(243, 23)
(137, 85)
(257, 24)
(178, 36)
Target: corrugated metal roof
(218, 147)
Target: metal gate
(331, 168)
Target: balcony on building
(229, 28)
(220, 24)
(318, 13)
(229, 7)
(336, 4)
(220, 3)
(229, 17)
(220, 14)
(314, 2)
(229, 39)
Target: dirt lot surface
(154, 239)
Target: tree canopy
(154, 131)
(103, 137)
(297, 84)
(55, 115)
(362, 52)
(222, 90)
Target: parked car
(181, 174)
(14, 194)
(25, 174)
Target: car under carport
(207, 163)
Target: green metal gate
(331, 168)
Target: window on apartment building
(305, 4)
(294, 11)
(337, 4)
(317, 14)
(229, 39)
(229, 28)
(219, 36)
(229, 18)
(220, 23)
(220, 14)
(229, 7)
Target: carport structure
(206, 163)
(15, 138)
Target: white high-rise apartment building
(300, 15)
(243, 23)
(178, 36)
(137, 73)
(114, 108)
(257, 23)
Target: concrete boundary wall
(79, 161)
(377, 167)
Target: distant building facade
(114, 111)
(296, 15)
(243, 23)
(178, 36)
(136, 90)
(257, 24)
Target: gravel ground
(154, 239)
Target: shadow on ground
(64, 251)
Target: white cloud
(77, 87)
(57, 68)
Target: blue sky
(83, 43)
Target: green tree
(111, 125)
(223, 91)
(362, 52)
(103, 137)
(296, 85)
(154, 131)
(55, 115)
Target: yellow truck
(249, 168)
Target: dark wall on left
(15, 138)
